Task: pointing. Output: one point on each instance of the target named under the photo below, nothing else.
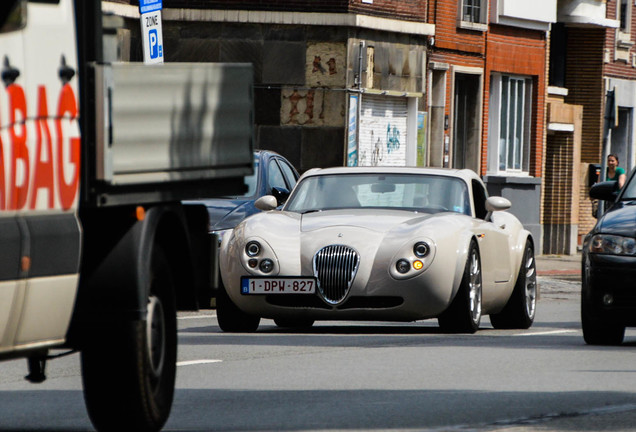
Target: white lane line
(197, 362)
(196, 317)
(547, 333)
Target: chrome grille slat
(335, 267)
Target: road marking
(197, 362)
(187, 317)
(547, 333)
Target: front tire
(597, 329)
(231, 318)
(464, 313)
(129, 368)
(520, 310)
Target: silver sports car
(380, 243)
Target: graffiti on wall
(312, 107)
(384, 148)
(325, 64)
(392, 138)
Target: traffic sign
(152, 37)
(146, 6)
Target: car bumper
(609, 286)
(421, 297)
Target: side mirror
(497, 204)
(606, 191)
(281, 194)
(266, 203)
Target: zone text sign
(151, 30)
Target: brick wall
(443, 13)
(585, 86)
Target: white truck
(97, 249)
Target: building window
(471, 11)
(511, 107)
(625, 14)
(473, 14)
(623, 33)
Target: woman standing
(614, 172)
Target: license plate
(278, 286)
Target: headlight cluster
(259, 256)
(612, 244)
(412, 259)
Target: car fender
(463, 246)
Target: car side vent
(335, 267)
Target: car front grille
(335, 267)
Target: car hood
(621, 219)
(381, 221)
(227, 213)
(340, 225)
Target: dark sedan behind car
(273, 175)
(608, 296)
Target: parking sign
(152, 37)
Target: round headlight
(402, 266)
(629, 246)
(253, 248)
(267, 265)
(421, 249)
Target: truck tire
(129, 369)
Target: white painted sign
(152, 37)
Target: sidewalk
(559, 265)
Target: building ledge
(280, 18)
(561, 127)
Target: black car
(608, 295)
(273, 175)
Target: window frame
(516, 163)
(481, 24)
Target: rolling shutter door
(383, 123)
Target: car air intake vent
(335, 267)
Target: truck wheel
(231, 318)
(129, 368)
(464, 313)
(520, 310)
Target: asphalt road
(347, 376)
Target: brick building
(487, 69)
(318, 67)
(592, 53)
(456, 83)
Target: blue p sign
(153, 40)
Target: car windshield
(414, 192)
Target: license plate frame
(285, 285)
